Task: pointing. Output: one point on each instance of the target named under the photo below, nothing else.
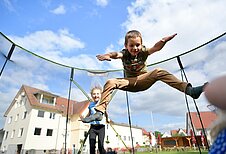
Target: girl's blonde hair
(96, 87)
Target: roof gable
(60, 106)
(207, 118)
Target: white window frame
(13, 133)
(52, 115)
(39, 112)
(21, 130)
(40, 131)
(6, 135)
(10, 120)
(51, 132)
(17, 117)
(24, 115)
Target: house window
(48, 100)
(41, 113)
(4, 148)
(24, 115)
(20, 132)
(13, 133)
(49, 132)
(128, 138)
(45, 101)
(23, 100)
(124, 138)
(6, 135)
(17, 116)
(10, 120)
(52, 115)
(37, 131)
(16, 104)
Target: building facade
(40, 121)
(201, 122)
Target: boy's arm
(109, 56)
(160, 44)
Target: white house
(166, 134)
(36, 121)
(119, 136)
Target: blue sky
(93, 18)
(74, 32)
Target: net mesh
(27, 68)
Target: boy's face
(134, 45)
(96, 94)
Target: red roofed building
(179, 132)
(36, 121)
(146, 137)
(207, 118)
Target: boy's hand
(104, 57)
(168, 38)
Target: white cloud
(9, 5)
(196, 22)
(59, 10)
(33, 71)
(195, 25)
(54, 43)
(110, 48)
(102, 3)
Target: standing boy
(137, 78)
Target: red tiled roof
(79, 107)
(60, 105)
(144, 132)
(173, 132)
(207, 118)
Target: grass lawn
(184, 152)
(170, 152)
(174, 152)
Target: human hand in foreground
(215, 92)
